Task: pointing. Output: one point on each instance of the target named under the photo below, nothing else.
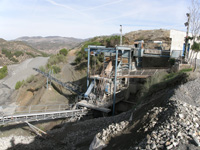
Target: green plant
(44, 54)
(3, 72)
(19, 84)
(185, 70)
(196, 47)
(18, 53)
(13, 59)
(30, 79)
(42, 68)
(55, 59)
(56, 69)
(30, 54)
(82, 54)
(7, 53)
(63, 52)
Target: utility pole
(121, 35)
(186, 38)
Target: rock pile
(175, 126)
(103, 137)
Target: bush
(82, 54)
(185, 70)
(63, 52)
(18, 53)
(13, 59)
(42, 68)
(19, 84)
(45, 54)
(196, 46)
(55, 59)
(30, 54)
(56, 69)
(7, 53)
(30, 79)
(3, 72)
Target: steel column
(115, 84)
(88, 69)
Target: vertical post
(88, 67)
(115, 84)
(47, 82)
(121, 35)
(186, 39)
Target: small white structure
(178, 39)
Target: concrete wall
(177, 39)
(192, 56)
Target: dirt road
(18, 72)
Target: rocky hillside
(51, 44)
(15, 52)
(149, 35)
(129, 38)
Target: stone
(153, 145)
(181, 116)
(170, 146)
(167, 143)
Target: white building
(178, 39)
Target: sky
(88, 18)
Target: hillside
(16, 51)
(149, 35)
(51, 44)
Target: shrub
(185, 70)
(30, 79)
(196, 46)
(55, 59)
(42, 68)
(82, 54)
(63, 52)
(3, 72)
(19, 84)
(13, 59)
(18, 53)
(45, 54)
(7, 53)
(30, 54)
(56, 69)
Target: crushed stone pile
(181, 128)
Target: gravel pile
(176, 126)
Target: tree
(63, 52)
(194, 10)
(196, 48)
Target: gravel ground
(19, 72)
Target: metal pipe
(115, 84)
(121, 35)
(88, 65)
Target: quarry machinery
(109, 85)
(104, 86)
